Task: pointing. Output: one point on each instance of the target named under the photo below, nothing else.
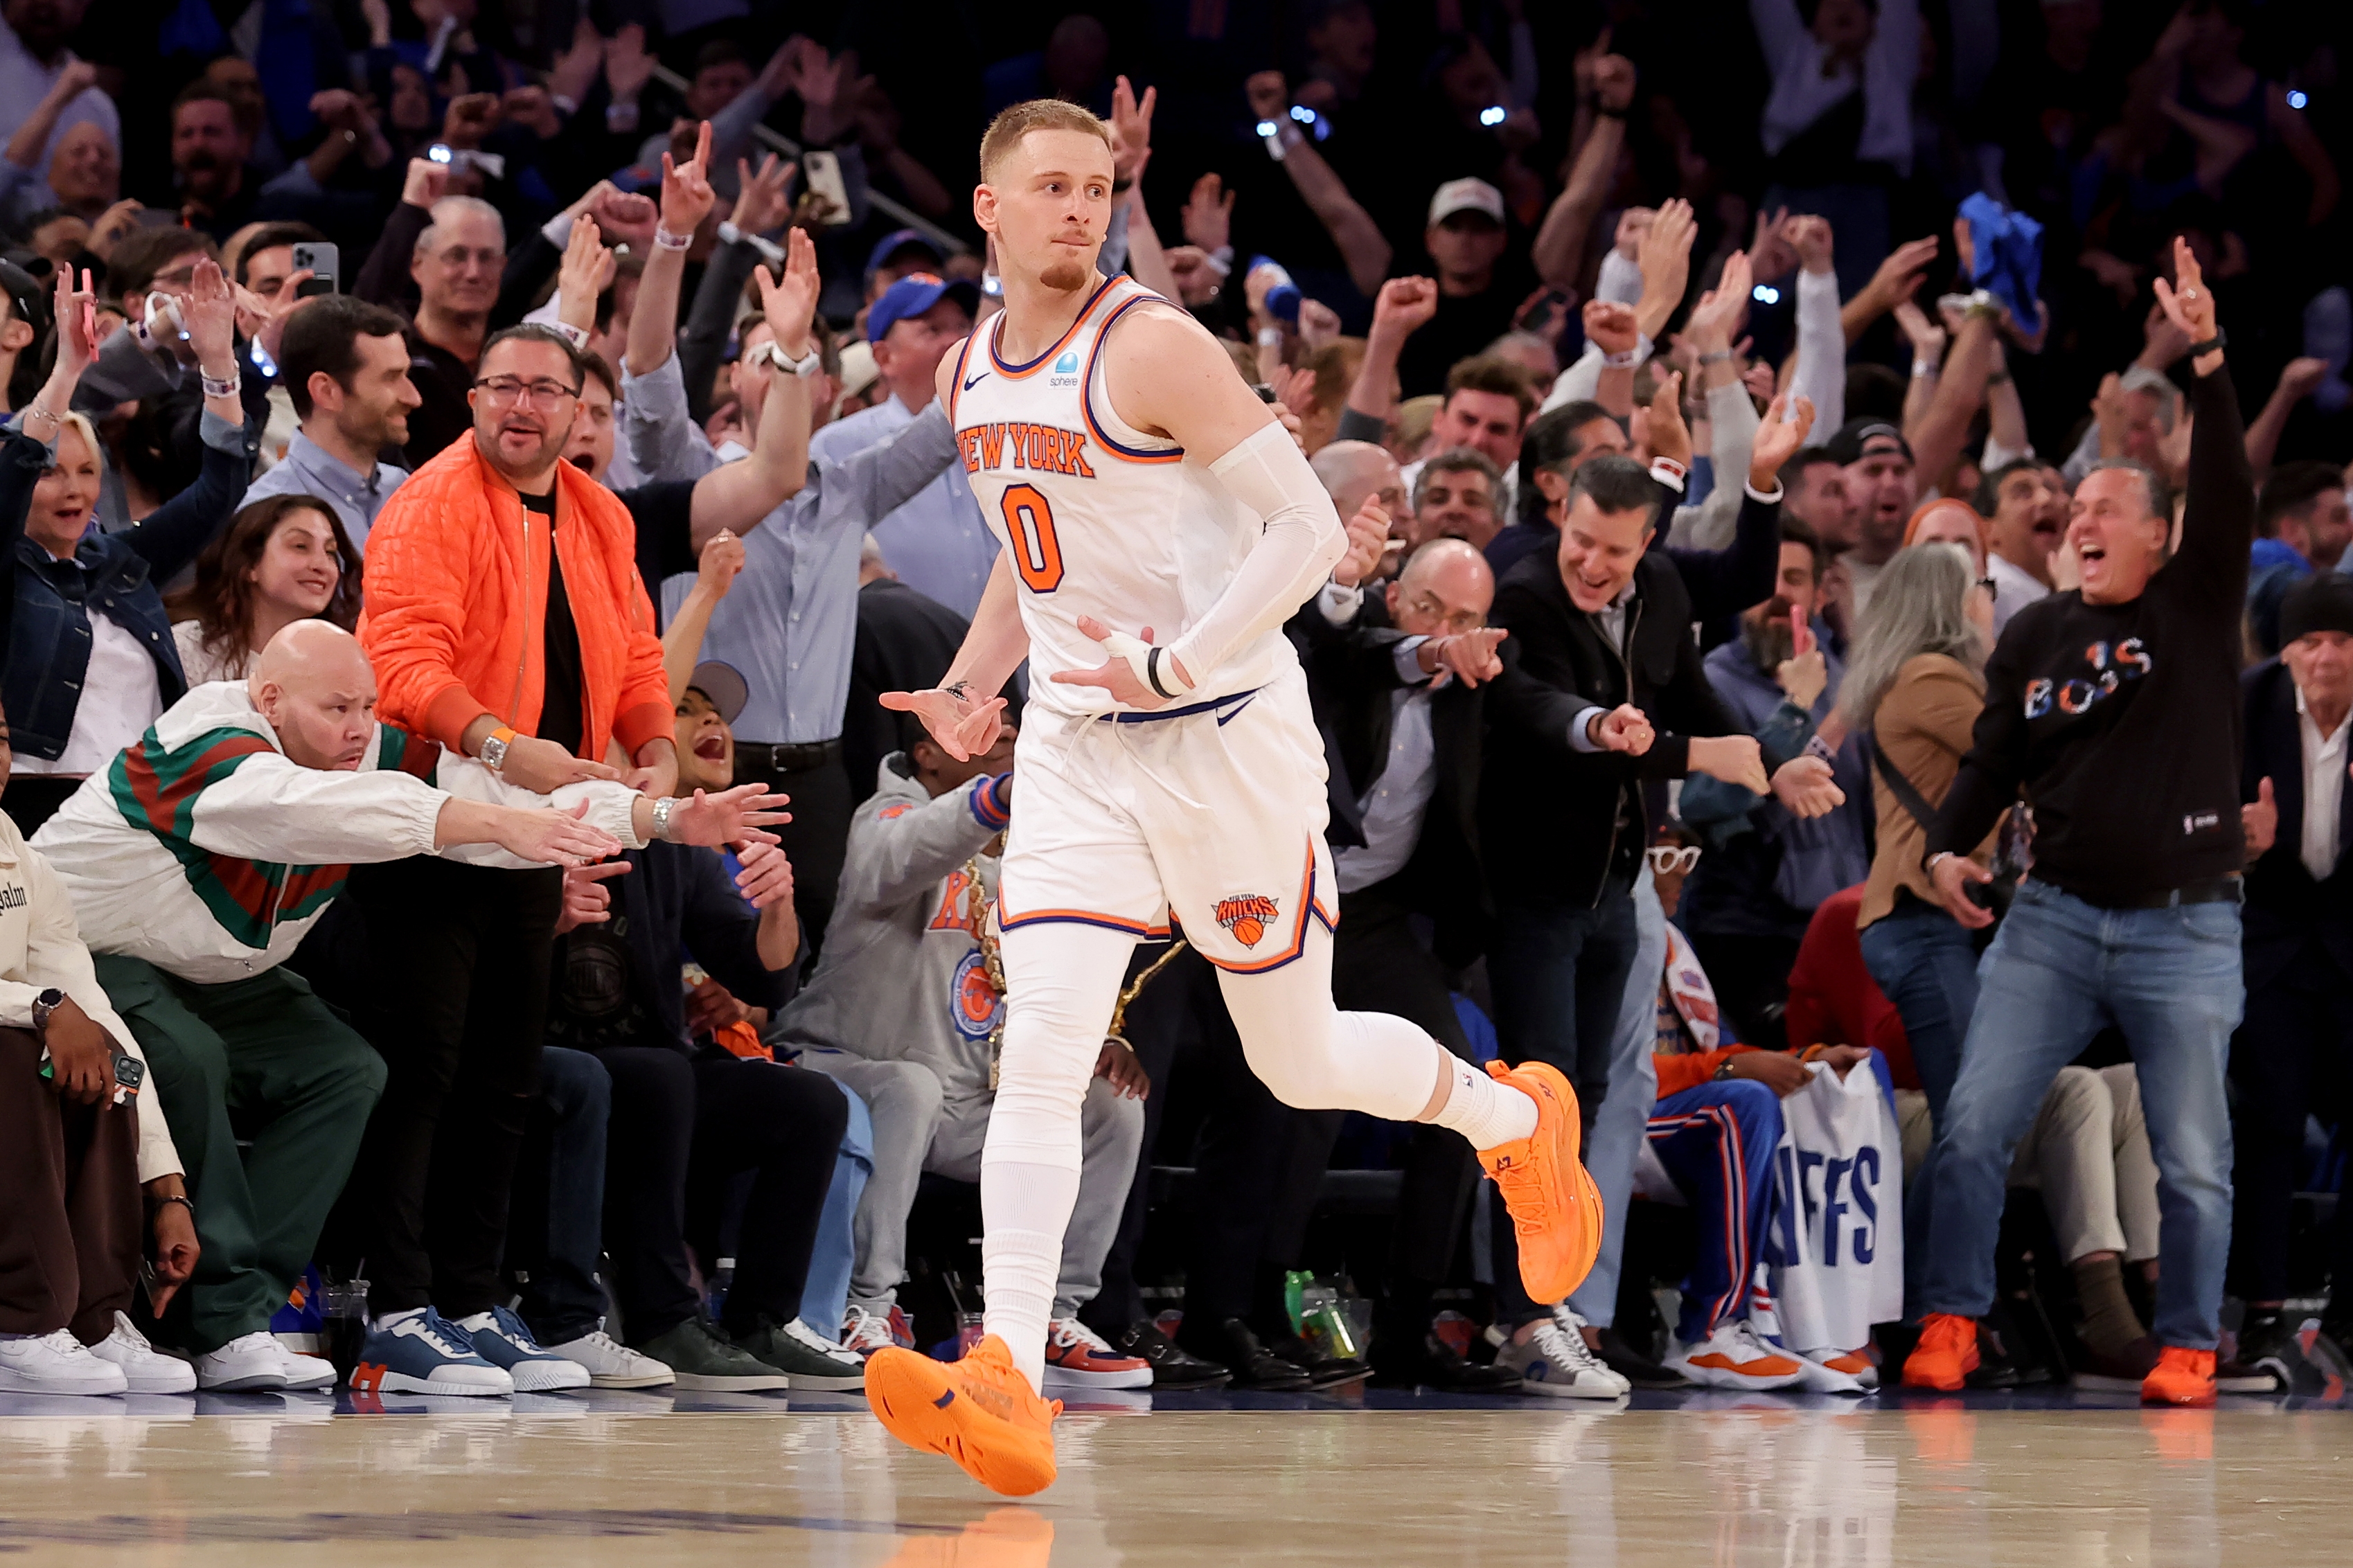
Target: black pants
(814, 840)
(1379, 965)
(455, 997)
(2291, 1057)
(1180, 1027)
(785, 1124)
(555, 1234)
(1751, 977)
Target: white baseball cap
(1465, 196)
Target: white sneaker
(146, 1369)
(1733, 1357)
(865, 1330)
(1557, 1362)
(1079, 1358)
(611, 1364)
(56, 1362)
(303, 1370)
(248, 1361)
(1856, 1364)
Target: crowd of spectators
(467, 460)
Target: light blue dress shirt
(310, 469)
(937, 543)
(789, 624)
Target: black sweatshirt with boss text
(2120, 723)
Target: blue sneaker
(423, 1352)
(501, 1340)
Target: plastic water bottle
(1281, 299)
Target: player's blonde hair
(1005, 132)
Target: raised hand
(1294, 387)
(427, 183)
(1720, 310)
(1769, 247)
(1368, 536)
(75, 310)
(472, 117)
(1812, 240)
(1610, 326)
(1197, 281)
(532, 109)
(1668, 436)
(963, 722)
(209, 313)
(1779, 437)
(1131, 130)
(626, 218)
(2301, 378)
(574, 71)
(1209, 213)
(1613, 83)
(1468, 657)
(1318, 324)
(1403, 307)
(686, 193)
(112, 225)
(1899, 276)
(789, 303)
(760, 203)
(1269, 95)
(587, 268)
(1927, 339)
(722, 559)
(1117, 674)
(1665, 261)
(627, 67)
(730, 816)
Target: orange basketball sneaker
(2181, 1377)
(979, 1412)
(1946, 1355)
(1555, 1208)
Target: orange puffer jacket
(456, 603)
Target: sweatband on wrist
(669, 241)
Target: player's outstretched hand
(1119, 674)
(963, 724)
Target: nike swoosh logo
(975, 381)
(1227, 715)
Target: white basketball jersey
(1100, 519)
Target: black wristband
(2211, 345)
(1604, 111)
(1152, 671)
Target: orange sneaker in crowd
(980, 1412)
(2182, 1378)
(1555, 1208)
(1946, 1355)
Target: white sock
(387, 1320)
(1025, 1209)
(1485, 1109)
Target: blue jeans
(1925, 962)
(1616, 1142)
(2060, 970)
(1558, 973)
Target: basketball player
(1141, 488)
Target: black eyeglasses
(1992, 588)
(543, 393)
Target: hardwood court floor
(261, 1481)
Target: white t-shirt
(120, 698)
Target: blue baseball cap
(914, 294)
(897, 240)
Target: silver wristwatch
(662, 809)
(494, 754)
(46, 1003)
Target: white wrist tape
(1158, 673)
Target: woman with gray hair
(1914, 685)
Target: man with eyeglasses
(505, 620)
(1401, 707)
(457, 264)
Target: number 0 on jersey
(1029, 525)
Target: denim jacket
(114, 574)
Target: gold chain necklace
(992, 964)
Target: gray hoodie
(902, 976)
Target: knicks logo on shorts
(973, 1002)
(1247, 915)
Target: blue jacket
(1766, 876)
(114, 575)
